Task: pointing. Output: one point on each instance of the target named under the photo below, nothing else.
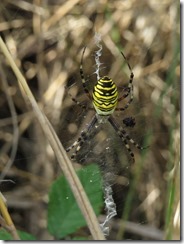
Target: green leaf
(4, 235)
(64, 215)
(79, 238)
(24, 236)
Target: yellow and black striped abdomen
(105, 96)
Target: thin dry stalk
(6, 221)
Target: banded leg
(125, 137)
(129, 88)
(82, 77)
(82, 138)
(76, 101)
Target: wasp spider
(105, 99)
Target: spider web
(104, 147)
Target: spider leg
(82, 77)
(124, 95)
(82, 138)
(75, 100)
(129, 88)
(124, 137)
(84, 81)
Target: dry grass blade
(15, 126)
(63, 10)
(6, 221)
(62, 157)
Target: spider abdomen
(105, 96)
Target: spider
(105, 99)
